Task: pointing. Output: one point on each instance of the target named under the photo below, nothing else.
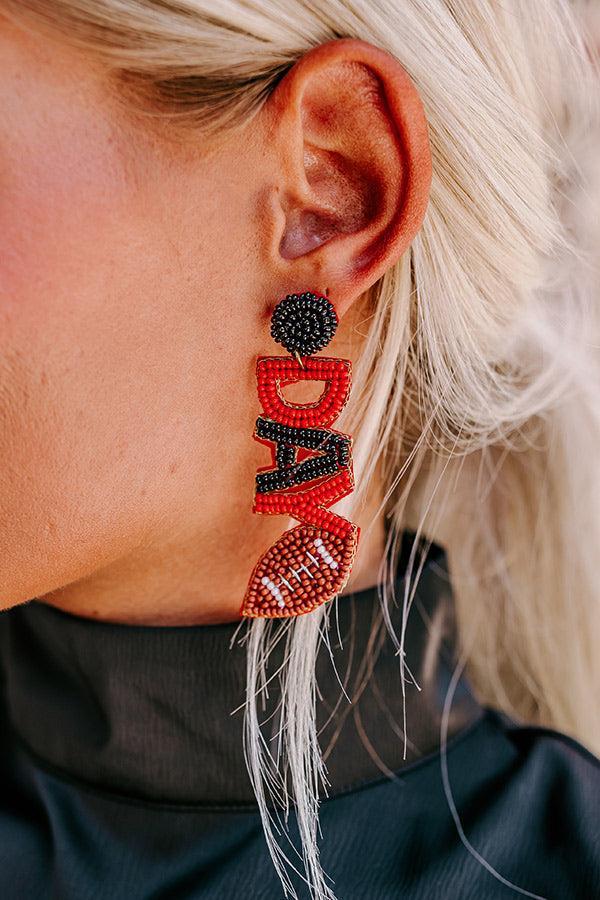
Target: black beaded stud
(303, 323)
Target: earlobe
(356, 166)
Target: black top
(123, 776)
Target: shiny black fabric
(123, 775)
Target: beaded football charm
(311, 466)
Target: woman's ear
(353, 168)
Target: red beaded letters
(311, 469)
(273, 372)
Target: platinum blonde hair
(477, 386)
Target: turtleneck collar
(146, 711)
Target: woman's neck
(197, 580)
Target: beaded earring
(311, 466)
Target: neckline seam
(482, 716)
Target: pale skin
(137, 279)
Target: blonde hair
(477, 386)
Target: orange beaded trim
(311, 469)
